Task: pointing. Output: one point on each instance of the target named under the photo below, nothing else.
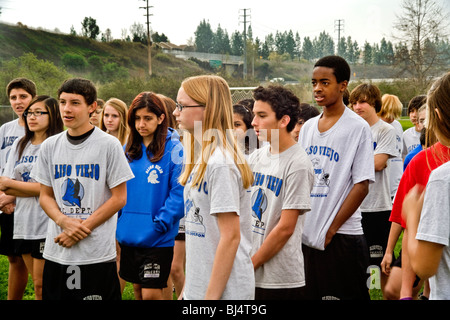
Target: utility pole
(245, 41)
(149, 39)
(338, 26)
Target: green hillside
(18, 40)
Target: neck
(285, 141)
(372, 120)
(39, 137)
(334, 110)
(75, 132)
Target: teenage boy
(83, 173)
(411, 136)
(339, 144)
(283, 180)
(20, 92)
(365, 100)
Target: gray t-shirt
(341, 156)
(396, 163)
(220, 191)
(81, 177)
(30, 221)
(384, 142)
(434, 226)
(9, 132)
(282, 181)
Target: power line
(339, 24)
(245, 15)
(149, 39)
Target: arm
(354, 199)
(225, 254)
(116, 202)
(394, 234)
(277, 238)
(381, 160)
(19, 188)
(72, 228)
(424, 256)
(103, 213)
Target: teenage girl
(42, 120)
(245, 135)
(114, 119)
(217, 196)
(148, 223)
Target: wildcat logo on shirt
(72, 189)
(259, 206)
(153, 172)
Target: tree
(367, 53)
(308, 49)
(204, 37)
(138, 33)
(89, 28)
(419, 24)
(237, 44)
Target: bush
(74, 61)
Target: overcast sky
(368, 20)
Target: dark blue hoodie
(154, 199)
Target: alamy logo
(73, 192)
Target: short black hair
(416, 102)
(341, 69)
(283, 102)
(80, 86)
(22, 83)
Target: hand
(65, 241)
(74, 228)
(386, 263)
(8, 208)
(4, 183)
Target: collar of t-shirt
(75, 140)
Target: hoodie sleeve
(173, 209)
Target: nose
(176, 112)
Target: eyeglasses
(180, 107)
(34, 113)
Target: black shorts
(98, 281)
(33, 247)
(376, 226)
(148, 267)
(280, 294)
(7, 243)
(340, 272)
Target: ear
(284, 121)
(161, 118)
(92, 107)
(344, 85)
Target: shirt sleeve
(434, 225)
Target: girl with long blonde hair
(217, 178)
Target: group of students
(267, 199)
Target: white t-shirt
(396, 163)
(341, 157)
(384, 142)
(30, 221)
(9, 132)
(411, 139)
(220, 191)
(282, 181)
(81, 177)
(434, 226)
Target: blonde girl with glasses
(216, 179)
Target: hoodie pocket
(137, 229)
